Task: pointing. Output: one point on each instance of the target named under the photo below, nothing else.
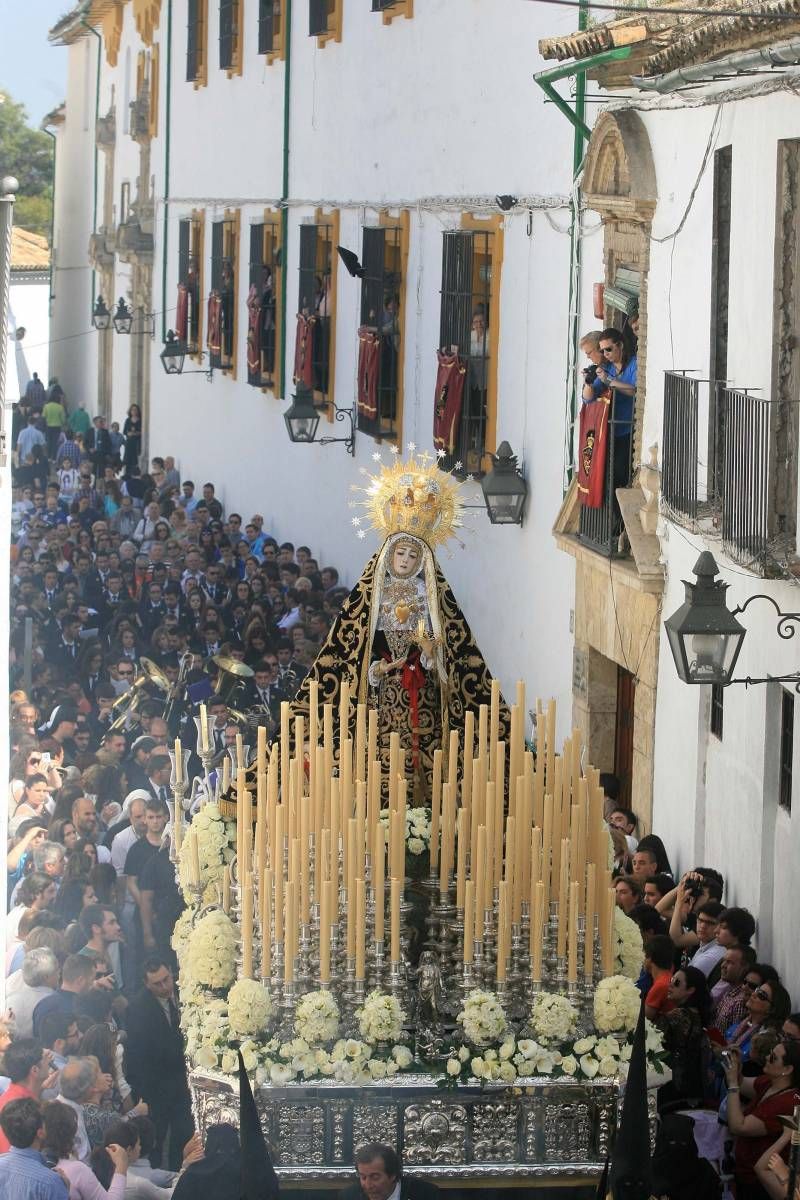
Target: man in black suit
(380, 1178)
(154, 1062)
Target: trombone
(132, 697)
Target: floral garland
(629, 953)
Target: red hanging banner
(182, 313)
(253, 332)
(592, 451)
(303, 357)
(369, 358)
(450, 379)
(214, 337)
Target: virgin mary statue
(401, 640)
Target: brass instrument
(230, 674)
(132, 697)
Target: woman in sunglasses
(767, 1007)
(755, 1107)
(684, 1036)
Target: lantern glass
(123, 317)
(101, 317)
(704, 636)
(173, 354)
(302, 419)
(504, 489)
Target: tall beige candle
(361, 823)
(378, 876)
(550, 743)
(226, 889)
(494, 728)
(563, 899)
(344, 712)
(261, 749)
(372, 735)
(313, 733)
(461, 862)
(609, 940)
(336, 814)
(247, 930)
(477, 814)
(325, 934)
(346, 779)
(469, 735)
(537, 933)
(361, 926)
(290, 931)
(327, 741)
(547, 848)
(588, 946)
(483, 732)
(352, 859)
(265, 898)
(280, 905)
(479, 875)
(572, 937)
(452, 758)
(286, 753)
(394, 768)
(359, 769)
(502, 930)
(395, 889)
(469, 921)
(436, 807)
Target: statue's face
(405, 559)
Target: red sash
(450, 379)
(253, 331)
(182, 313)
(303, 357)
(214, 336)
(592, 451)
(369, 357)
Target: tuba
(129, 701)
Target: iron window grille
(717, 710)
(465, 320)
(269, 26)
(381, 259)
(195, 40)
(381, 5)
(228, 34)
(320, 13)
(265, 268)
(223, 280)
(189, 275)
(315, 299)
(786, 750)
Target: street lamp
(504, 489)
(173, 354)
(302, 421)
(123, 317)
(101, 317)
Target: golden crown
(412, 496)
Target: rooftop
(29, 251)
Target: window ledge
(403, 8)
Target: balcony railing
(600, 528)
(716, 464)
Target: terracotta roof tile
(29, 251)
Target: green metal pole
(50, 134)
(287, 97)
(167, 141)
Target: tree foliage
(27, 153)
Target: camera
(590, 374)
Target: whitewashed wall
(29, 308)
(716, 801)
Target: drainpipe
(91, 29)
(287, 95)
(50, 134)
(167, 147)
(581, 133)
(785, 55)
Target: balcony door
(623, 735)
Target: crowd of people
(133, 598)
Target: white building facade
(696, 166)
(396, 118)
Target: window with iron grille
(465, 323)
(316, 300)
(717, 710)
(382, 260)
(223, 283)
(196, 30)
(380, 5)
(228, 34)
(263, 303)
(270, 26)
(787, 749)
(189, 266)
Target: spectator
(379, 1176)
(658, 960)
(629, 892)
(729, 997)
(77, 977)
(60, 1132)
(684, 1037)
(24, 1173)
(755, 1107)
(27, 1066)
(37, 978)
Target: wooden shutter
(184, 241)
(192, 39)
(266, 26)
(372, 254)
(456, 310)
(318, 17)
(308, 268)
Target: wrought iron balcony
(716, 470)
(601, 528)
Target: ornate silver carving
(435, 1132)
(494, 1132)
(338, 1113)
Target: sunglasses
(606, 349)
(750, 984)
(760, 994)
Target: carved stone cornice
(134, 245)
(101, 249)
(140, 117)
(106, 131)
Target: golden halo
(412, 496)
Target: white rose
(416, 845)
(453, 1066)
(607, 1066)
(249, 1059)
(391, 1067)
(463, 1053)
(206, 1057)
(402, 1056)
(507, 1049)
(229, 1062)
(507, 1072)
(569, 1064)
(352, 1048)
(589, 1065)
(607, 1047)
(490, 1056)
(279, 1074)
(377, 1069)
(584, 1045)
(478, 1068)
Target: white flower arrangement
(381, 1019)
(617, 1001)
(629, 951)
(316, 1018)
(210, 955)
(483, 1018)
(418, 829)
(215, 841)
(553, 1018)
(249, 1007)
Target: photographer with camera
(590, 345)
